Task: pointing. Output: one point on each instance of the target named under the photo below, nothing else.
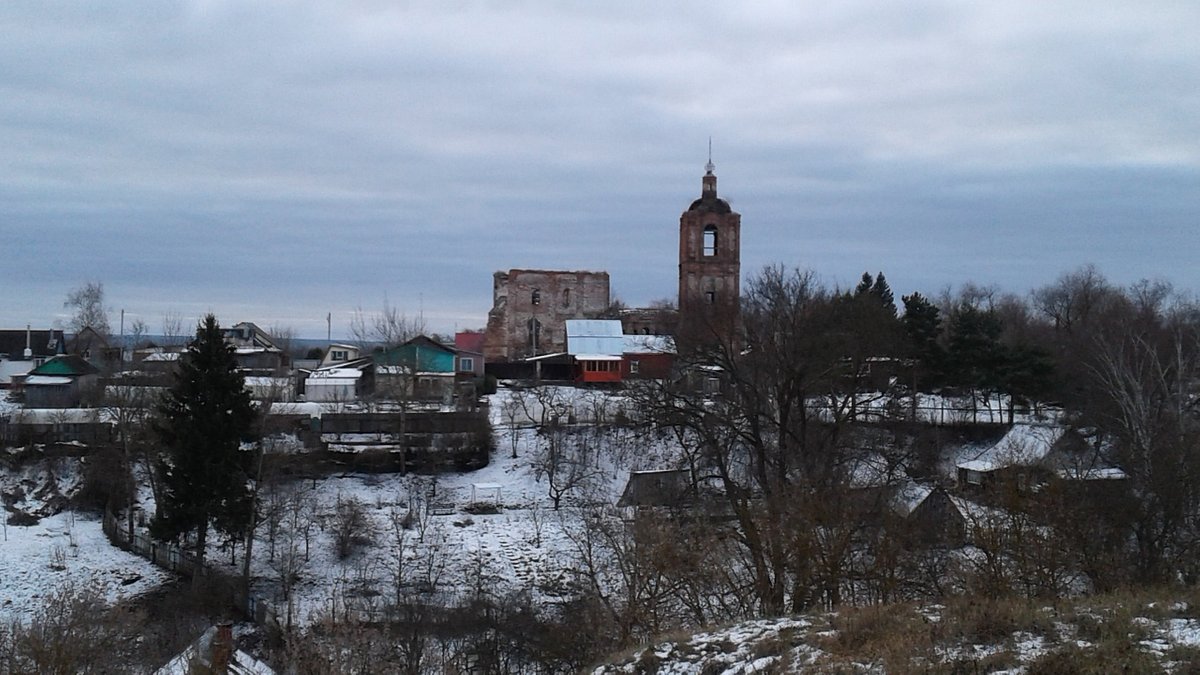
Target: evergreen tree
(976, 357)
(864, 285)
(883, 292)
(922, 323)
(876, 288)
(203, 420)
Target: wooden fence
(174, 558)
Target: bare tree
(137, 334)
(513, 412)
(87, 308)
(129, 408)
(565, 461)
(388, 327)
(1150, 409)
(172, 328)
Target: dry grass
(1097, 634)
(982, 621)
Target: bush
(351, 527)
(1108, 658)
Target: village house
(23, 350)
(96, 349)
(469, 345)
(602, 353)
(61, 382)
(254, 349)
(421, 368)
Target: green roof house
(61, 382)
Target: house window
(339, 355)
(710, 240)
(566, 297)
(710, 297)
(633, 367)
(536, 297)
(466, 364)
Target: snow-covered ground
(66, 550)
(438, 532)
(925, 638)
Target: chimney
(28, 342)
(221, 649)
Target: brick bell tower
(709, 266)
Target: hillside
(1136, 633)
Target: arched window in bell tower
(710, 240)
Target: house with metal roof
(23, 350)
(603, 354)
(61, 382)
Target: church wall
(548, 296)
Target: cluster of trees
(796, 466)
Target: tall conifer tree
(203, 421)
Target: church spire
(709, 184)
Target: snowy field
(494, 528)
(62, 551)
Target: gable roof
(249, 334)
(86, 340)
(595, 337)
(1023, 445)
(665, 487)
(426, 341)
(469, 341)
(42, 343)
(70, 365)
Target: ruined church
(530, 307)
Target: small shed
(663, 487)
(938, 520)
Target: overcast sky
(275, 161)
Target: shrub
(351, 527)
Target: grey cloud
(291, 160)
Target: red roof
(469, 341)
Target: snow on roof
(978, 465)
(47, 380)
(162, 356)
(310, 408)
(266, 381)
(977, 513)
(909, 496)
(649, 344)
(10, 368)
(872, 470)
(594, 336)
(597, 357)
(254, 350)
(593, 328)
(199, 653)
(1023, 445)
(330, 374)
(59, 415)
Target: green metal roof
(65, 365)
